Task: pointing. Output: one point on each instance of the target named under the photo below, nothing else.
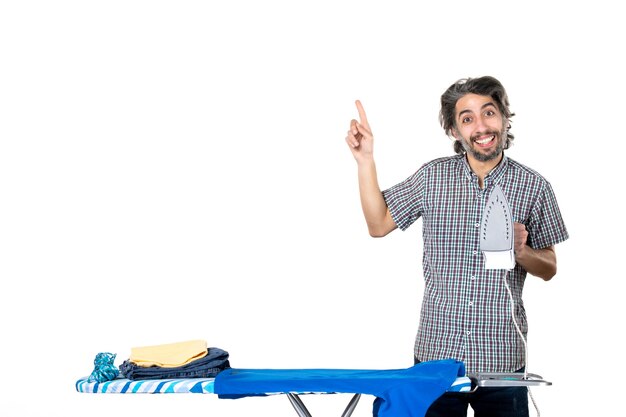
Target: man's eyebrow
(462, 112)
(489, 103)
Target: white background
(176, 170)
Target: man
(466, 312)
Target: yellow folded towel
(169, 355)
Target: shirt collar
(493, 177)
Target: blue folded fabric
(104, 368)
(400, 392)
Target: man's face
(479, 127)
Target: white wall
(173, 170)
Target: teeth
(483, 141)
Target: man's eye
(490, 113)
(466, 119)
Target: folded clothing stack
(191, 359)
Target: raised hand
(359, 137)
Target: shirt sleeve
(405, 200)
(546, 226)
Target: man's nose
(481, 126)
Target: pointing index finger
(362, 115)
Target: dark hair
(484, 86)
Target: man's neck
(482, 168)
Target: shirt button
(468, 332)
(475, 252)
(477, 224)
(471, 304)
(473, 277)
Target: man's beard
(485, 157)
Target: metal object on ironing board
(506, 379)
(497, 233)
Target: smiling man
(479, 119)
(466, 313)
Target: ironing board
(423, 382)
(398, 392)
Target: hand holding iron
(538, 262)
(521, 235)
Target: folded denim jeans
(208, 366)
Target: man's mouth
(485, 140)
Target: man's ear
(454, 133)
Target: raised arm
(361, 143)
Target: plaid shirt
(466, 309)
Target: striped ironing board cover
(186, 386)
